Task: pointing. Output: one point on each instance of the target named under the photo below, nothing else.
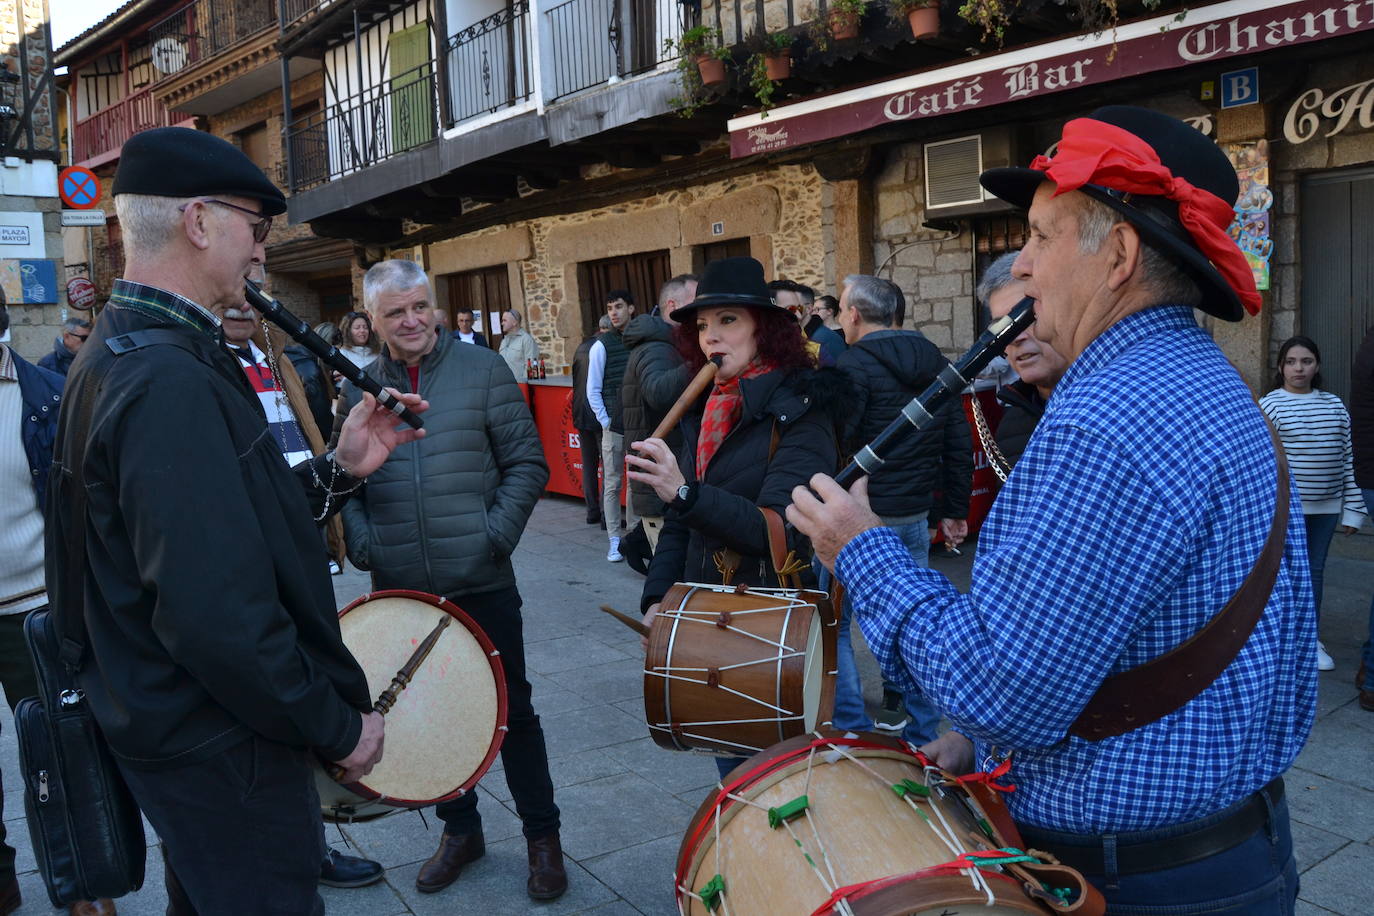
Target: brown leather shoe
(102, 907)
(444, 867)
(1367, 700)
(9, 898)
(548, 879)
(1359, 677)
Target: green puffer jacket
(444, 513)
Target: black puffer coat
(888, 369)
(1024, 408)
(583, 415)
(654, 377)
(804, 405)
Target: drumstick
(401, 681)
(695, 387)
(626, 619)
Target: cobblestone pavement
(626, 803)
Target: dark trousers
(18, 678)
(591, 459)
(241, 832)
(522, 753)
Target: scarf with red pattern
(723, 409)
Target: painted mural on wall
(1250, 228)
(30, 282)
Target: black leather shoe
(9, 897)
(593, 518)
(548, 879)
(444, 867)
(339, 870)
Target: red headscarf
(1095, 152)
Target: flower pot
(712, 70)
(925, 21)
(778, 65)
(843, 25)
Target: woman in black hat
(767, 426)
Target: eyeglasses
(76, 335)
(262, 225)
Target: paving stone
(1304, 908)
(1336, 807)
(642, 875)
(595, 726)
(555, 655)
(554, 702)
(1342, 883)
(613, 813)
(616, 908)
(622, 679)
(495, 886)
(1312, 844)
(380, 899)
(1338, 741)
(403, 838)
(672, 771)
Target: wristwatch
(684, 495)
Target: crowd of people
(1122, 530)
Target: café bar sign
(1212, 33)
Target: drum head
(445, 729)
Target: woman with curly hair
(360, 343)
(768, 425)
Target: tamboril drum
(841, 826)
(733, 670)
(445, 728)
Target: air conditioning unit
(952, 168)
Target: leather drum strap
(1132, 699)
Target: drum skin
(445, 729)
(867, 833)
(726, 670)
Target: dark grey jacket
(444, 514)
(654, 377)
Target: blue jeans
(923, 719)
(1320, 530)
(1259, 877)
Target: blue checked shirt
(1139, 506)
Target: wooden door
(486, 292)
(642, 274)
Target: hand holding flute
(656, 465)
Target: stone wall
(777, 208)
(934, 269)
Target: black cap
(181, 162)
(1188, 154)
(727, 282)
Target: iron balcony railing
(294, 10)
(596, 41)
(103, 134)
(204, 28)
(488, 63)
(364, 129)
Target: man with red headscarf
(1131, 522)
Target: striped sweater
(1315, 431)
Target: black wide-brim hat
(1184, 151)
(729, 282)
(181, 162)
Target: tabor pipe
(952, 380)
(695, 387)
(300, 332)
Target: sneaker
(892, 717)
(613, 555)
(335, 569)
(1324, 661)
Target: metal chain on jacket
(999, 463)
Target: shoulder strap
(71, 627)
(1146, 693)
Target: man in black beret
(214, 665)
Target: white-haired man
(444, 516)
(214, 663)
(1137, 640)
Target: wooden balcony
(99, 138)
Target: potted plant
(923, 15)
(763, 85)
(844, 16)
(777, 55)
(701, 63)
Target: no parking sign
(78, 187)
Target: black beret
(181, 162)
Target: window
(257, 146)
(734, 248)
